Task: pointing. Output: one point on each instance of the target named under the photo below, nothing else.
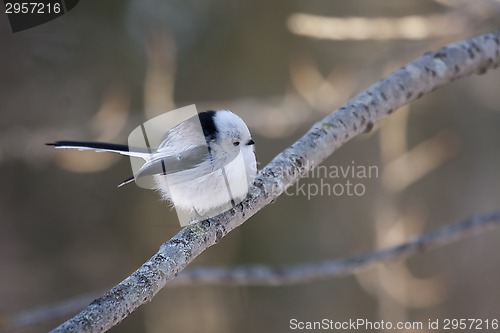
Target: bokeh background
(67, 232)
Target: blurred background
(67, 232)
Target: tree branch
(410, 82)
(265, 275)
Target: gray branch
(408, 83)
(265, 275)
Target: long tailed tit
(199, 173)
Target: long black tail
(107, 147)
(89, 145)
(103, 146)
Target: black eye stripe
(208, 125)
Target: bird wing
(187, 160)
(170, 164)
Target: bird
(202, 166)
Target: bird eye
(236, 143)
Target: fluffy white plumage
(200, 170)
(212, 185)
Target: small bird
(201, 172)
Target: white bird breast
(211, 193)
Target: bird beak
(250, 142)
